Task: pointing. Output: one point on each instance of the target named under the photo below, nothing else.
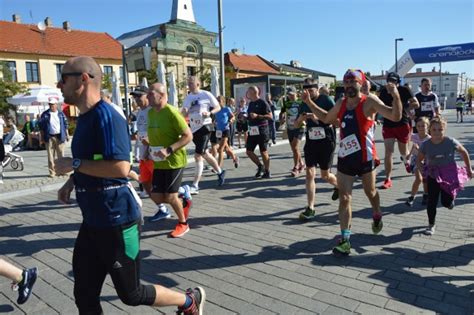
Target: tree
(8, 88)
(470, 93)
(107, 82)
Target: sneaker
(343, 248)
(307, 215)
(161, 214)
(25, 287)
(187, 204)
(185, 192)
(294, 172)
(387, 184)
(266, 175)
(236, 162)
(143, 194)
(424, 201)
(301, 168)
(221, 178)
(260, 171)
(193, 190)
(430, 230)
(451, 205)
(180, 230)
(408, 168)
(198, 295)
(410, 201)
(335, 194)
(377, 226)
(274, 142)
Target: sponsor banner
(405, 63)
(457, 52)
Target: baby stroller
(10, 143)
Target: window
(433, 87)
(446, 86)
(59, 70)
(191, 49)
(191, 71)
(32, 72)
(452, 94)
(108, 70)
(9, 72)
(121, 74)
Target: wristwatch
(169, 150)
(76, 163)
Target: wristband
(169, 150)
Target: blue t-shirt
(222, 118)
(101, 134)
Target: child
(444, 177)
(422, 125)
(23, 280)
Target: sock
(188, 303)
(346, 234)
(219, 170)
(198, 172)
(377, 216)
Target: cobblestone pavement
(252, 254)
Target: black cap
(139, 91)
(393, 77)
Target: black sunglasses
(75, 74)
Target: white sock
(198, 172)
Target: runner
(109, 237)
(444, 177)
(22, 279)
(289, 113)
(225, 118)
(396, 131)
(357, 155)
(429, 104)
(418, 138)
(319, 147)
(199, 106)
(460, 104)
(242, 125)
(259, 114)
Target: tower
(182, 10)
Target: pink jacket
(450, 177)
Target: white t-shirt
(142, 130)
(196, 104)
(54, 124)
(2, 122)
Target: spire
(182, 10)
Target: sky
(325, 35)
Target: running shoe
(194, 190)
(408, 168)
(260, 171)
(335, 194)
(221, 178)
(307, 214)
(301, 168)
(266, 175)
(25, 287)
(143, 194)
(294, 172)
(410, 201)
(377, 226)
(185, 192)
(187, 204)
(180, 230)
(387, 184)
(451, 205)
(236, 162)
(343, 248)
(424, 201)
(198, 296)
(430, 230)
(274, 142)
(161, 214)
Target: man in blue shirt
(109, 237)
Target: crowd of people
(109, 237)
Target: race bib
(426, 106)
(254, 131)
(291, 122)
(218, 134)
(348, 145)
(195, 120)
(154, 153)
(316, 133)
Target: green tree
(8, 88)
(107, 82)
(470, 93)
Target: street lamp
(460, 89)
(396, 53)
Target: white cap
(53, 100)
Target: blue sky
(326, 35)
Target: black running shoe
(25, 287)
(260, 171)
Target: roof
(139, 38)
(415, 75)
(289, 68)
(306, 70)
(251, 63)
(28, 39)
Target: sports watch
(76, 163)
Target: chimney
(295, 63)
(16, 18)
(236, 51)
(418, 70)
(67, 26)
(48, 22)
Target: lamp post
(396, 53)
(221, 48)
(460, 89)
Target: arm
(420, 157)
(413, 103)
(465, 156)
(393, 113)
(186, 138)
(436, 107)
(325, 116)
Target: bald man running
(109, 237)
(357, 155)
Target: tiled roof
(139, 38)
(252, 63)
(414, 75)
(28, 39)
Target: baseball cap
(139, 91)
(52, 100)
(393, 77)
(291, 90)
(357, 75)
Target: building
(240, 65)
(294, 68)
(35, 54)
(184, 46)
(446, 85)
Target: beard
(351, 91)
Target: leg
(266, 160)
(388, 163)
(433, 197)
(49, 150)
(212, 161)
(403, 149)
(368, 182)
(10, 271)
(310, 185)
(253, 157)
(222, 147)
(294, 144)
(173, 200)
(198, 169)
(329, 177)
(345, 197)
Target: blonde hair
(423, 119)
(438, 120)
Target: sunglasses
(73, 74)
